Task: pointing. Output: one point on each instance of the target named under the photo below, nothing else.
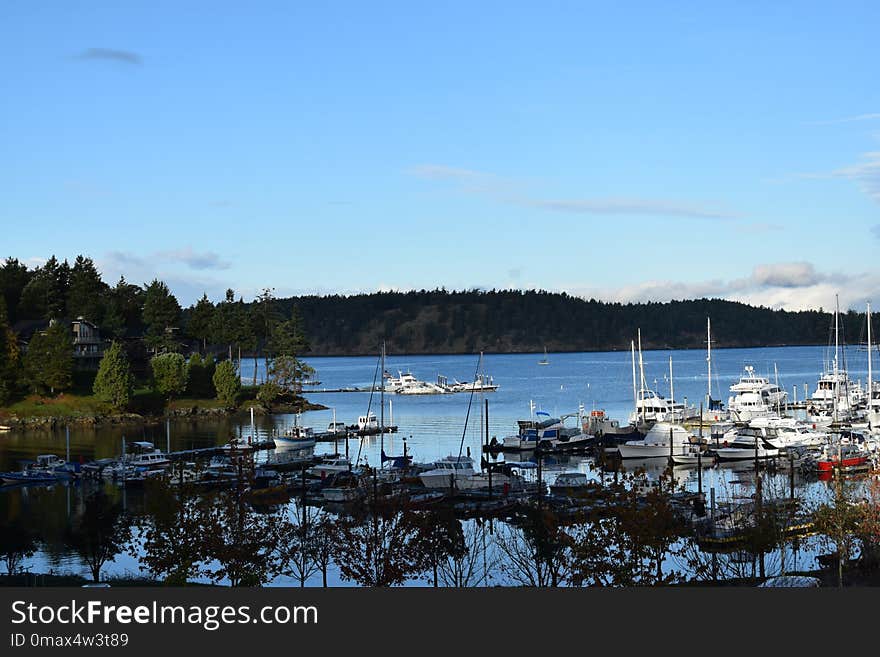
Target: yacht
(740, 444)
(788, 433)
(656, 442)
(755, 396)
(407, 384)
(458, 472)
(653, 407)
(482, 383)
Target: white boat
(755, 396)
(656, 442)
(483, 383)
(650, 406)
(238, 445)
(691, 455)
(740, 444)
(329, 466)
(407, 384)
(458, 472)
(146, 456)
(872, 390)
(542, 431)
(297, 437)
(836, 394)
(788, 433)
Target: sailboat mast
(671, 391)
(709, 362)
(870, 371)
(632, 346)
(382, 407)
(641, 362)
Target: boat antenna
(468, 414)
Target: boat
(458, 472)
(755, 396)
(238, 445)
(845, 458)
(743, 443)
(482, 383)
(656, 442)
(574, 484)
(690, 455)
(531, 432)
(47, 468)
(872, 390)
(544, 360)
(448, 472)
(407, 384)
(296, 436)
(145, 455)
(836, 395)
(329, 466)
(650, 406)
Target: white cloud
(792, 286)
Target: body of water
(434, 425)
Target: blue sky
(617, 150)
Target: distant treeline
(438, 321)
(416, 322)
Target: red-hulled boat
(849, 459)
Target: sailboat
(836, 395)
(650, 406)
(714, 410)
(544, 360)
(873, 390)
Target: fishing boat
(846, 458)
(297, 437)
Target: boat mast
(632, 346)
(870, 371)
(709, 362)
(641, 362)
(671, 392)
(382, 407)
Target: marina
(449, 464)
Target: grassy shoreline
(35, 411)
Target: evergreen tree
(161, 315)
(48, 362)
(14, 276)
(9, 358)
(227, 382)
(201, 373)
(123, 309)
(170, 374)
(86, 294)
(114, 382)
(200, 320)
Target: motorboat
(755, 396)
(574, 484)
(788, 433)
(329, 466)
(542, 430)
(482, 383)
(449, 472)
(238, 445)
(145, 455)
(407, 384)
(656, 442)
(743, 443)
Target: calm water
(434, 425)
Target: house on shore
(88, 346)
